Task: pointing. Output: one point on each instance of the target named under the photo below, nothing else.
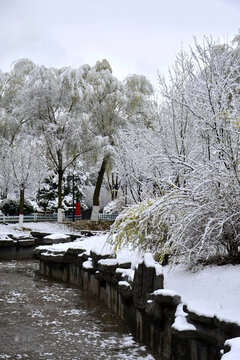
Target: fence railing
(28, 218)
(49, 217)
(110, 217)
(70, 217)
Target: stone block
(7, 242)
(125, 290)
(26, 242)
(144, 283)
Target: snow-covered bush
(11, 207)
(142, 227)
(190, 225)
(205, 218)
(114, 207)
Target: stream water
(40, 319)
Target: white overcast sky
(136, 36)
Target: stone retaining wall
(155, 315)
(14, 247)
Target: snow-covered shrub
(114, 207)
(11, 207)
(205, 218)
(191, 224)
(142, 227)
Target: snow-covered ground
(33, 226)
(212, 291)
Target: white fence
(34, 217)
(49, 217)
(110, 217)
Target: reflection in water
(40, 319)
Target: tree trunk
(60, 180)
(97, 190)
(21, 205)
(114, 186)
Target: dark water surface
(40, 319)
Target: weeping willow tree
(112, 104)
(142, 227)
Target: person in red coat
(77, 208)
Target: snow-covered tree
(137, 161)
(47, 195)
(111, 105)
(133, 141)
(54, 103)
(13, 113)
(23, 167)
(206, 208)
(198, 158)
(139, 107)
(105, 99)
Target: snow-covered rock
(56, 238)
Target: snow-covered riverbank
(214, 290)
